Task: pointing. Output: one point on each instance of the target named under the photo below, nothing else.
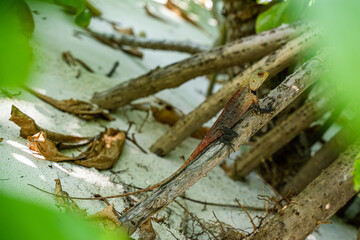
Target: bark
(321, 160)
(317, 203)
(246, 49)
(273, 63)
(279, 98)
(279, 136)
(240, 17)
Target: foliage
(78, 8)
(282, 12)
(16, 26)
(341, 36)
(356, 174)
(24, 220)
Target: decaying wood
(122, 39)
(280, 135)
(321, 160)
(317, 202)
(273, 63)
(279, 98)
(243, 50)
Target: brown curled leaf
(105, 150)
(107, 217)
(28, 128)
(165, 114)
(79, 108)
(40, 144)
(102, 153)
(1, 139)
(200, 133)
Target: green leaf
(16, 53)
(283, 12)
(356, 174)
(72, 6)
(23, 220)
(83, 18)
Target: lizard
(221, 130)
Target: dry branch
(279, 136)
(321, 160)
(318, 202)
(273, 63)
(122, 39)
(279, 98)
(232, 54)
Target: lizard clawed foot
(228, 135)
(260, 110)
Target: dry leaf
(147, 231)
(79, 108)
(43, 146)
(1, 139)
(107, 217)
(126, 31)
(102, 153)
(105, 150)
(178, 11)
(166, 114)
(28, 128)
(153, 15)
(132, 50)
(200, 133)
(63, 200)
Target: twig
(221, 226)
(243, 50)
(221, 204)
(144, 121)
(113, 69)
(133, 140)
(196, 219)
(122, 39)
(247, 213)
(273, 63)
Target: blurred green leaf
(83, 18)
(16, 25)
(356, 174)
(72, 6)
(23, 220)
(338, 22)
(283, 12)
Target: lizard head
(257, 78)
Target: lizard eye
(260, 74)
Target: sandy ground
(54, 34)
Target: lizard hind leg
(228, 135)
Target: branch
(173, 75)
(279, 98)
(122, 39)
(280, 135)
(321, 160)
(318, 202)
(273, 63)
